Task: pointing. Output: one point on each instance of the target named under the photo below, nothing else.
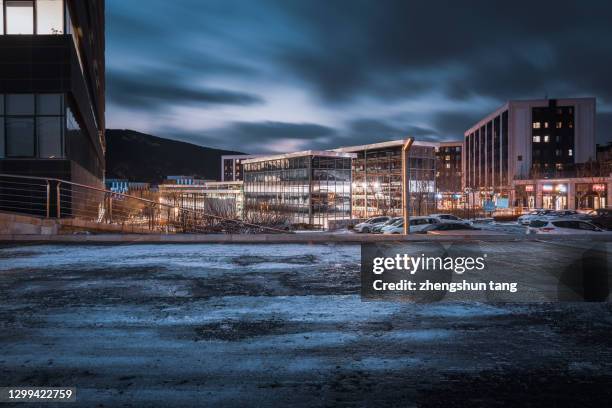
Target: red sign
(599, 187)
(528, 188)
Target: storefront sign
(599, 187)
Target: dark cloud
(472, 55)
(154, 90)
(259, 137)
(357, 47)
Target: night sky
(285, 75)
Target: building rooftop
(320, 153)
(383, 145)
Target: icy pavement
(265, 325)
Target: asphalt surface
(278, 325)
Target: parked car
(416, 225)
(447, 226)
(378, 229)
(563, 226)
(450, 218)
(367, 225)
(525, 219)
(602, 217)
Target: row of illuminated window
(558, 125)
(32, 17)
(558, 152)
(545, 138)
(32, 126)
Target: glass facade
(27, 17)
(32, 126)
(486, 155)
(311, 189)
(378, 183)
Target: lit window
(536, 125)
(559, 125)
(448, 166)
(447, 157)
(545, 125)
(536, 139)
(49, 17)
(20, 17)
(570, 152)
(559, 167)
(570, 125)
(558, 152)
(546, 138)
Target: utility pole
(406, 184)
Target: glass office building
(378, 183)
(311, 187)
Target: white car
(416, 224)
(449, 218)
(563, 226)
(525, 219)
(367, 225)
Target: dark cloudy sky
(283, 75)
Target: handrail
(142, 200)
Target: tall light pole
(406, 185)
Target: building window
(20, 137)
(33, 126)
(49, 17)
(558, 152)
(559, 125)
(570, 152)
(20, 17)
(20, 104)
(559, 166)
(557, 138)
(32, 17)
(570, 125)
(536, 125)
(536, 139)
(2, 153)
(546, 138)
(49, 131)
(545, 125)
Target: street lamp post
(406, 182)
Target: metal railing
(61, 199)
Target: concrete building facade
(528, 140)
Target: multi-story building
(529, 140)
(52, 89)
(231, 166)
(220, 198)
(378, 183)
(309, 187)
(449, 190)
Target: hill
(140, 157)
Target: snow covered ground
(227, 325)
